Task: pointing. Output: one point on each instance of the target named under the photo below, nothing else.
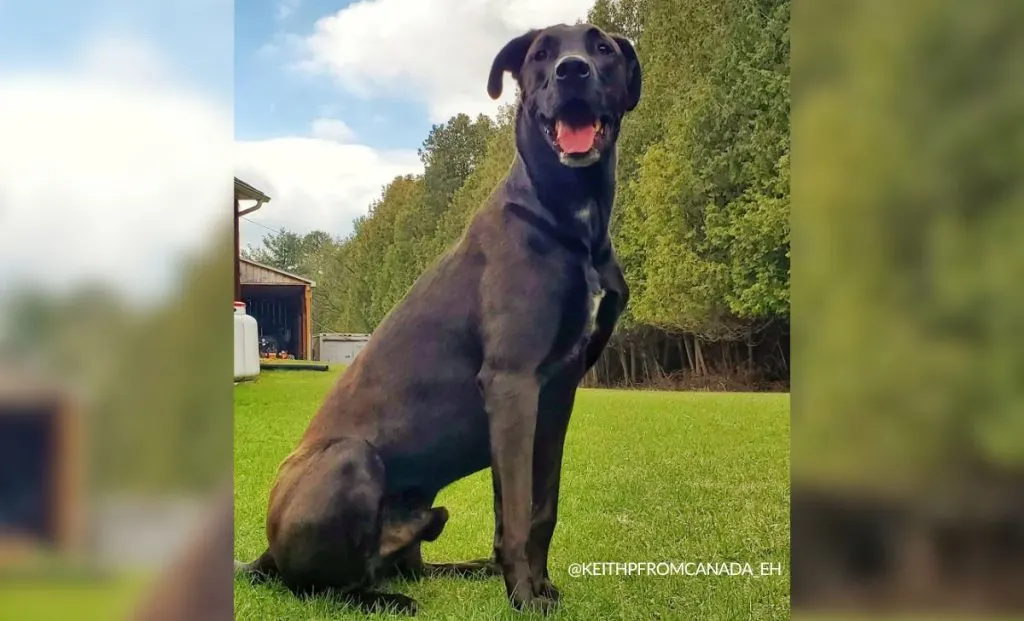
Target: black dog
(479, 364)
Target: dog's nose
(572, 68)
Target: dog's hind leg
(477, 568)
(326, 524)
(422, 525)
(371, 601)
(363, 599)
(264, 568)
(401, 538)
(400, 548)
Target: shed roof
(245, 191)
(287, 275)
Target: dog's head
(576, 84)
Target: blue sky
(274, 99)
(191, 34)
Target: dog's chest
(588, 307)
(578, 318)
(585, 222)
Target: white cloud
(315, 183)
(435, 51)
(108, 171)
(332, 129)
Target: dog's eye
(540, 55)
(604, 48)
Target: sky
(116, 140)
(121, 121)
(333, 98)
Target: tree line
(701, 221)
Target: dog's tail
(260, 570)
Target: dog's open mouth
(577, 134)
(576, 140)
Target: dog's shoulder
(495, 223)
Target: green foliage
(162, 418)
(909, 213)
(622, 17)
(703, 215)
(283, 250)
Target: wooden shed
(42, 468)
(281, 303)
(244, 192)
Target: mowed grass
(111, 597)
(647, 477)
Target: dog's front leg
(556, 402)
(511, 398)
(496, 482)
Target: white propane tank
(247, 344)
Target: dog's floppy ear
(633, 67)
(511, 59)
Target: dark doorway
(28, 465)
(278, 312)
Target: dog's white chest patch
(595, 304)
(596, 294)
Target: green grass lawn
(99, 599)
(647, 476)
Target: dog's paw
(381, 603)
(547, 590)
(391, 603)
(400, 604)
(435, 525)
(534, 603)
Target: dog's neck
(577, 200)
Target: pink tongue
(575, 139)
